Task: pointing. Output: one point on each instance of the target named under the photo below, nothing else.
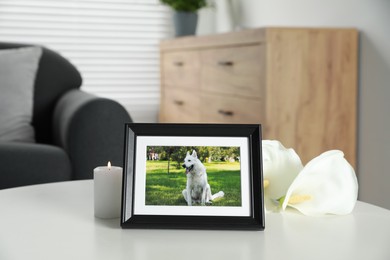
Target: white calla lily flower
(326, 185)
(280, 167)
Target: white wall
(372, 19)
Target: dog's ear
(194, 154)
(188, 153)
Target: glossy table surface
(56, 221)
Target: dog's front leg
(184, 192)
(203, 199)
(208, 194)
(189, 196)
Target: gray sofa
(74, 131)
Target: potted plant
(185, 15)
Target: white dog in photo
(197, 189)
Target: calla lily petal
(326, 185)
(280, 167)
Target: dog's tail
(218, 195)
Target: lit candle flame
(109, 165)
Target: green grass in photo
(166, 189)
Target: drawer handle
(225, 113)
(178, 102)
(178, 63)
(226, 63)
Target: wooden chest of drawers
(299, 83)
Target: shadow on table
(113, 223)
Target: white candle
(107, 191)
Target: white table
(56, 221)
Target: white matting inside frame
(143, 142)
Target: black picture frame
(135, 136)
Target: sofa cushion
(31, 163)
(18, 69)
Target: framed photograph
(192, 176)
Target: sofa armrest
(91, 130)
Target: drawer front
(179, 106)
(219, 109)
(180, 69)
(234, 70)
